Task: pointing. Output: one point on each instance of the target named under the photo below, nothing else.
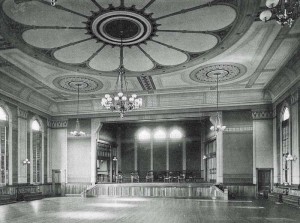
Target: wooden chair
(168, 177)
(119, 177)
(181, 178)
(149, 176)
(134, 177)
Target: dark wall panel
(159, 156)
(127, 154)
(143, 158)
(193, 156)
(175, 156)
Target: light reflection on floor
(146, 210)
(85, 215)
(113, 205)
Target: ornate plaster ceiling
(160, 36)
(172, 51)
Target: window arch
(176, 133)
(286, 114)
(36, 150)
(3, 115)
(35, 125)
(144, 135)
(160, 134)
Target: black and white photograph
(149, 111)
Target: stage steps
(175, 190)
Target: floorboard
(154, 210)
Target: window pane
(3, 115)
(286, 114)
(35, 125)
(160, 134)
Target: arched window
(176, 134)
(4, 154)
(159, 134)
(286, 114)
(37, 146)
(3, 116)
(144, 135)
(285, 130)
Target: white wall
(58, 151)
(262, 145)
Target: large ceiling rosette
(158, 36)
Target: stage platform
(177, 190)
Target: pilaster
(22, 145)
(295, 118)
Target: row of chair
(161, 176)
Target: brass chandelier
(120, 101)
(77, 131)
(284, 11)
(217, 127)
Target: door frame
(271, 177)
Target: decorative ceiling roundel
(225, 72)
(70, 83)
(157, 36)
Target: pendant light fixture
(218, 125)
(120, 101)
(77, 131)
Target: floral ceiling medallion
(137, 27)
(158, 36)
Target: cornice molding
(57, 124)
(262, 114)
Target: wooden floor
(138, 210)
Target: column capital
(262, 114)
(57, 124)
(295, 97)
(22, 113)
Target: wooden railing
(184, 190)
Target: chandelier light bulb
(107, 96)
(121, 103)
(272, 3)
(285, 12)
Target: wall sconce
(204, 157)
(26, 162)
(289, 157)
(115, 158)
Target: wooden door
(264, 180)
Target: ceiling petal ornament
(222, 72)
(70, 83)
(159, 36)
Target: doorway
(263, 181)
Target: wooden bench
(29, 193)
(286, 199)
(291, 200)
(7, 199)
